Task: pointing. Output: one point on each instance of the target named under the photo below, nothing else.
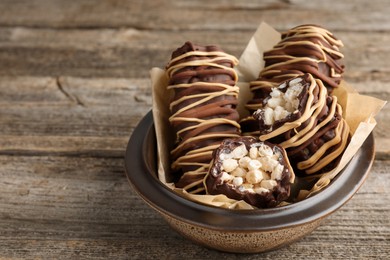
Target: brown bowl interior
(141, 170)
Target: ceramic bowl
(239, 231)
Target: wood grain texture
(74, 83)
(195, 15)
(70, 116)
(128, 52)
(84, 116)
(87, 209)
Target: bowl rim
(166, 201)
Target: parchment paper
(359, 118)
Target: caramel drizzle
(313, 164)
(220, 54)
(319, 159)
(299, 37)
(308, 112)
(203, 122)
(190, 158)
(266, 83)
(308, 132)
(313, 31)
(321, 151)
(253, 106)
(202, 137)
(199, 176)
(319, 40)
(333, 155)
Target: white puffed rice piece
(292, 93)
(265, 150)
(295, 81)
(225, 177)
(260, 190)
(295, 105)
(243, 162)
(268, 184)
(247, 185)
(268, 116)
(229, 165)
(254, 176)
(275, 102)
(275, 93)
(225, 156)
(277, 172)
(238, 172)
(284, 84)
(266, 176)
(280, 113)
(254, 165)
(239, 152)
(268, 164)
(289, 106)
(237, 181)
(253, 153)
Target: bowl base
(241, 241)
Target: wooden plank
(124, 52)
(61, 207)
(74, 84)
(196, 15)
(79, 116)
(70, 116)
(132, 53)
(111, 98)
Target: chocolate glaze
(214, 184)
(322, 130)
(335, 162)
(320, 70)
(321, 38)
(321, 116)
(219, 106)
(302, 49)
(303, 96)
(308, 148)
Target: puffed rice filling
(282, 104)
(255, 171)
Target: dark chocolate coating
(221, 106)
(321, 116)
(319, 69)
(286, 61)
(303, 96)
(308, 148)
(301, 152)
(215, 185)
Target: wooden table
(74, 84)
